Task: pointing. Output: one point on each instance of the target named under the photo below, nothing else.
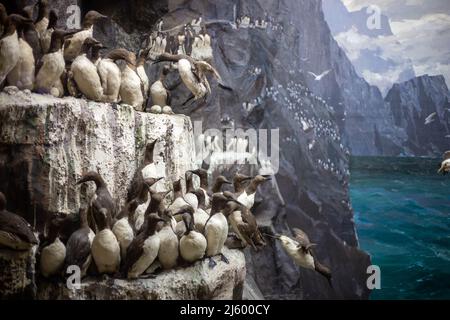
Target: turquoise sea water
(402, 215)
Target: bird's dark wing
(78, 248)
(134, 252)
(246, 231)
(16, 225)
(302, 238)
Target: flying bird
(320, 76)
(430, 118)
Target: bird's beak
(276, 236)
(227, 182)
(239, 203)
(247, 178)
(82, 180)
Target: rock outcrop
(198, 281)
(411, 103)
(46, 144)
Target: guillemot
(9, 42)
(22, 75)
(248, 196)
(102, 197)
(85, 73)
(105, 247)
(52, 66)
(300, 250)
(123, 229)
(78, 247)
(192, 244)
(216, 229)
(73, 46)
(193, 74)
(53, 252)
(110, 74)
(169, 244)
(143, 250)
(158, 92)
(445, 165)
(15, 231)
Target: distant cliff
(411, 103)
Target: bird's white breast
(52, 258)
(53, 66)
(168, 249)
(110, 77)
(124, 234)
(247, 200)
(130, 89)
(216, 232)
(193, 246)
(158, 93)
(87, 78)
(22, 75)
(9, 54)
(106, 251)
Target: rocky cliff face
(272, 90)
(46, 144)
(267, 69)
(411, 103)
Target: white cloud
(424, 41)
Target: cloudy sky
(421, 33)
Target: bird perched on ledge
(15, 232)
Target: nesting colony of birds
(35, 55)
(153, 230)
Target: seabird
(105, 248)
(300, 250)
(320, 76)
(158, 92)
(15, 232)
(22, 75)
(9, 42)
(102, 197)
(131, 87)
(85, 74)
(53, 253)
(216, 229)
(169, 244)
(445, 165)
(123, 229)
(52, 66)
(193, 74)
(247, 197)
(78, 247)
(73, 46)
(192, 244)
(110, 74)
(144, 249)
(238, 183)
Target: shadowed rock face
(411, 102)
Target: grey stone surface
(198, 281)
(17, 274)
(411, 102)
(46, 144)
